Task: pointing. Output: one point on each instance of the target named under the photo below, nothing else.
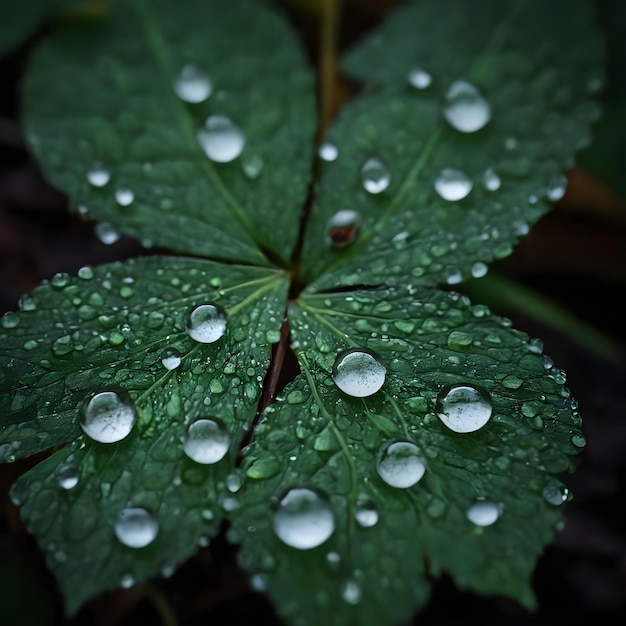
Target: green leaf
(527, 61)
(116, 110)
(388, 541)
(108, 329)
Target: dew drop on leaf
(136, 527)
(124, 196)
(252, 166)
(170, 358)
(556, 187)
(328, 151)
(106, 233)
(366, 514)
(466, 109)
(375, 176)
(303, 518)
(221, 139)
(192, 84)
(10, 319)
(108, 417)
(463, 408)
(401, 464)
(206, 441)
(452, 184)
(419, 78)
(556, 494)
(351, 592)
(98, 176)
(206, 323)
(491, 180)
(343, 228)
(358, 372)
(67, 476)
(483, 512)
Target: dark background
(575, 257)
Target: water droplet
(366, 514)
(85, 272)
(98, 176)
(127, 581)
(401, 464)
(136, 527)
(419, 78)
(192, 84)
(206, 441)
(328, 152)
(556, 187)
(343, 228)
(106, 233)
(170, 358)
(124, 196)
(375, 176)
(351, 592)
(304, 519)
(358, 372)
(109, 416)
(491, 180)
(556, 494)
(221, 139)
(483, 512)
(206, 323)
(252, 166)
(452, 184)
(479, 269)
(466, 108)
(67, 476)
(10, 319)
(463, 408)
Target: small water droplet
(479, 269)
(127, 581)
(206, 323)
(351, 592)
(170, 358)
(10, 319)
(358, 372)
(85, 272)
(124, 196)
(206, 441)
(366, 514)
(221, 139)
(328, 152)
(67, 476)
(343, 228)
(483, 512)
(192, 84)
(419, 78)
(466, 108)
(452, 184)
(401, 464)
(106, 233)
(108, 417)
(375, 176)
(463, 408)
(491, 180)
(252, 166)
(136, 527)
(556, 494)
(303, 519)
(556, 187)
(98, 176)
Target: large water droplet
(108, 417)
(463, 408)
(304, 519)
(401, 464)
(483, 512)
(98, 176)
(328, 152)
(124, 196)
(419, 78)
(466, 108)
(136, 527)
(206, 441)
(170, 358)
(192, 84)
(206, 323)
(343, 227)
(452, 184)
(221, 139)
(358, 372)
(375, 176)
